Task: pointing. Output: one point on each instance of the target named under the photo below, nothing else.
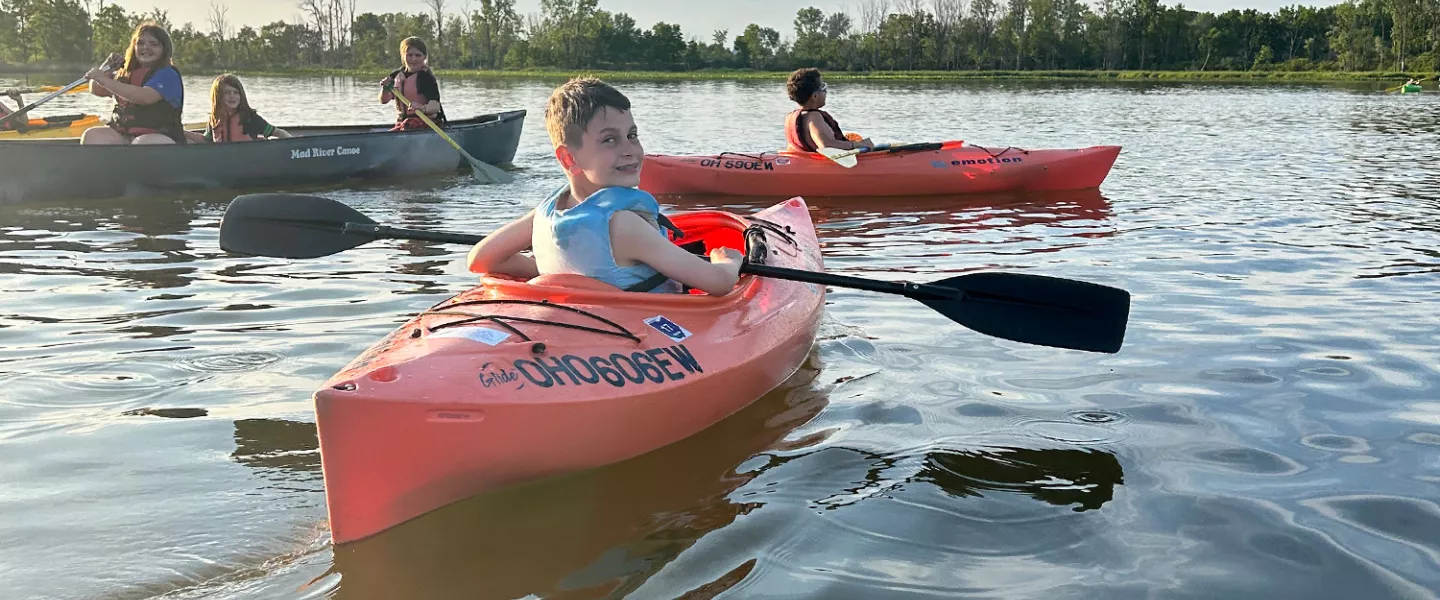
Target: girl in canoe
(808, 129)
(600, 225)
(417, 83)
(231, 118)
(148, 93)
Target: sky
(696, 18)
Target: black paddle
(1033, 309)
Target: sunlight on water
(1268, 430)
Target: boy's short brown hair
(803, 84)
(574, 104)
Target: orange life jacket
(798, 135)
(232, 130)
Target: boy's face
(610, 152)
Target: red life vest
(138, 119)
(232, 130)
(798, 135)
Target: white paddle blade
(844, 158)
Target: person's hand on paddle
(107, 69)
(729, 257)
(859, 142)
(388, 83)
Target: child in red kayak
(417, 83)
(600, 225)
(808, 129)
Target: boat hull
(521, 392)
(35, 170)
(953, 169)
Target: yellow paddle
(483, 172)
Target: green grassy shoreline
(1388, 77)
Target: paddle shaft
(1032, 309)
(386, 232)
(916, 147)
(912, 290)
(399, 97)
(903, 288)
(48, 97)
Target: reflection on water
(277, 445)
(606, 532)
(1269, 430)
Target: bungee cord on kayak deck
(1002, 152)
(473, 318)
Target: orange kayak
(59, 126)
(516, 381)
(920, 169)
(64, 126)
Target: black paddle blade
(1035, 309)
(290, 226)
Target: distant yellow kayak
(63, 126)
(45, 89)
(54, 127)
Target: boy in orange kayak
(600, 225)
(808, 129)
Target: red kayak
(515, 381)
(919, 169)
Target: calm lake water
(1271, 428)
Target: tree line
(879, 35)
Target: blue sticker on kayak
(670, 328)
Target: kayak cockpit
(703, 231)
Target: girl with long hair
(148, 92)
